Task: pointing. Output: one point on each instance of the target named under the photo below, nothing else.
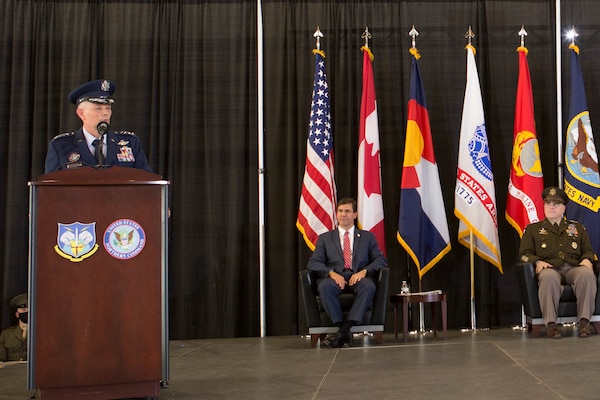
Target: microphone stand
(102, 129)
(101, 152)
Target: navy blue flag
(582, 181)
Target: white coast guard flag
(475, 198)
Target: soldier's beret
(19, 301)
(99, 91)
(553, 193)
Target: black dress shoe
(334, 341)
(348, 341)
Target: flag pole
(522, 33)
(472, 265)
(470, 35)
(559, 133)
(413, 34)
(261, 172)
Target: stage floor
(499, 364)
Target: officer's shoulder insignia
(129, 133)
(63, 135)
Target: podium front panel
(97, 281)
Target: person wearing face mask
(94, 144)
(13, 340)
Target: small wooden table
(432, 298)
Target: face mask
(23, 317)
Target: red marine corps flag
(316, 214)
(524, 204)
(369, 200)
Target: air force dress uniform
(71, 149)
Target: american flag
(316, 214)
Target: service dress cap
(19, 301)
(556, 194)
(99, 91)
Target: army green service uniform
(13, 346)
(564, 247)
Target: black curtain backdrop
(187, 84)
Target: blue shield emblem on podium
(76, 241)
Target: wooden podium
(98, 284)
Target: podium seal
(124, 239)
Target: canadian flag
(369, 199)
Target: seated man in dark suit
(346, 259)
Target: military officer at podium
(94, 144)
(13, 340)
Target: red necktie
(347, 252)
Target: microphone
(102, 128)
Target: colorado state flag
(582, 182)
(422, 223)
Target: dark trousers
(329, 292)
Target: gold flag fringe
(371, 56)
(414, 52)
(574, 47)
(522, 49)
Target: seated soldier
(13, 340)
(562, 253)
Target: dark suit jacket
(328, 254)
(122, 148)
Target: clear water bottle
(404, 289)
